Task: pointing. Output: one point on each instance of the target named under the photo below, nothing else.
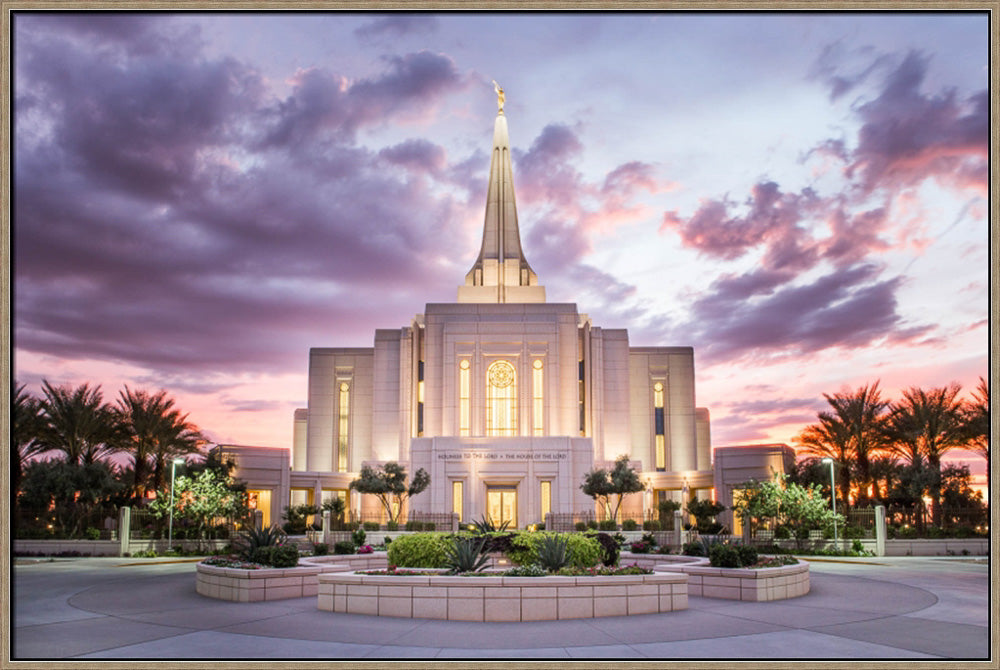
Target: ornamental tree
(388, 484)
(601, 485)
(799, 508)
(202, 498)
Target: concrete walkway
(886, 608)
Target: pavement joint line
(180, 560)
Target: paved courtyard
(884, 608)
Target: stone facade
(505, 399)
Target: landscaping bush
(358, 537)
(580, 526)
(629, 524)
(851, 532)
(343, 547)
(651, 525)
(723, 556)
(552, 552)
(607, 524)
(391, 525)
(276, 556)
(428, 525)
(414, 525)
(424, 550)
(640, 547)
(693, 549)
(747, 554)
(584, 551)
(592, 525)
(321, 549)
(610, 549)
(370, 525)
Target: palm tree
(175, 436)
(929, 424)
(830, 439)
(862, 415)
(78, 423)
(977, 424)
(26, 426)
(149, 421)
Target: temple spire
(501, 273)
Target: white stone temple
(506, 400)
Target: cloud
(171, 213)
(396, 26)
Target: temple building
(505, 399)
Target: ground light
(833, 499)
(170, 529)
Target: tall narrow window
(546, 498)
(501, 399)
(420, 398)
(660, 455)
(538, 398)
(583, 396)
(343, 426)
(456, 499)
(464, 393)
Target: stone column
(326, 527)
(124, 529)
(879, 530)
(678, 530)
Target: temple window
(501, 399)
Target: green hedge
(421, 550)
(584, 552)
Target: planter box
(245, 586)
(456, 598)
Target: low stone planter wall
(787, 581)
(501, 598)
(248, 586)
(973, 546)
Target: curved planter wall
(502, 598)
(332, 579)
(787, 581)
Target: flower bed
(501, 598)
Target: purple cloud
(396, 26)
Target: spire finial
(500, 96)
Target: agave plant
(466, 555)
(552, 553)
(254, 538)
(485, 526)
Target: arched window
(501, 399)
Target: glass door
(501, 505)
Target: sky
(199, 198)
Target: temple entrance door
(501, 505)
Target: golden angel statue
(500, 95)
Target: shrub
(639, 547)
(391, 525)
(693, 549)
(592, 524)
(782, 533)
(532, 570)
(425, 550)
(92, 534)
(428, 525)
(629, 524)
(552, 552)
(414, 525)
(466, 555)
(850, 532)
(608, 524)
(584, 551)
(253, 539)
(276, 556)
(651, 525)
(580, 526)
(370, 525)
(358, 537)
(321, 549)
(747, 554)
(610, 549)
(649, 539)
(343, 547)
(723, 556)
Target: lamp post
(833, 499)
(170, 528)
